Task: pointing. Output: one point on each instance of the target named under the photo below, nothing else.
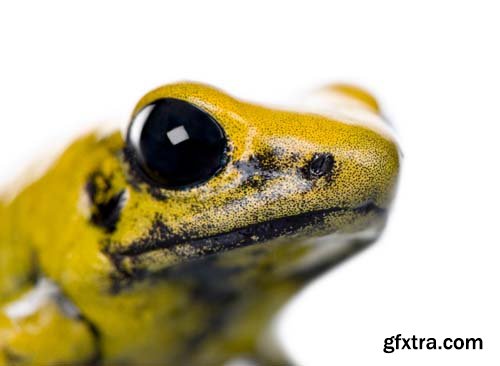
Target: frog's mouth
(132, 263)
(193, 246)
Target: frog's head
(204, 173)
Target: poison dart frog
(178, 241)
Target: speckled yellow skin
(187, 304)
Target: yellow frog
(178, 243)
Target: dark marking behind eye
(105, 213)
(261, 168)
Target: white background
(66, 66)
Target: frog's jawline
(241, 237)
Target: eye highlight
(176, 144)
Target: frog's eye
(177, 144)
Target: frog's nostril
(320, 165)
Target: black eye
(177, 144)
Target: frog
(178, 241)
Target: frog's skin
(99, 266)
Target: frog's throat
(241, 237)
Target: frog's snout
(358, 177)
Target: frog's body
(125, 271)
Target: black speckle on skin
(12, 358)
(158, 232)
(125, 277)
(157, 193)
(209, 281)
(209, 284)
(255, 166)
(321, 165)
(276, 159)
(105, 214)
(108, 213)
(160, 237)
(122, 278)
(260, 169)
(213, 289)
